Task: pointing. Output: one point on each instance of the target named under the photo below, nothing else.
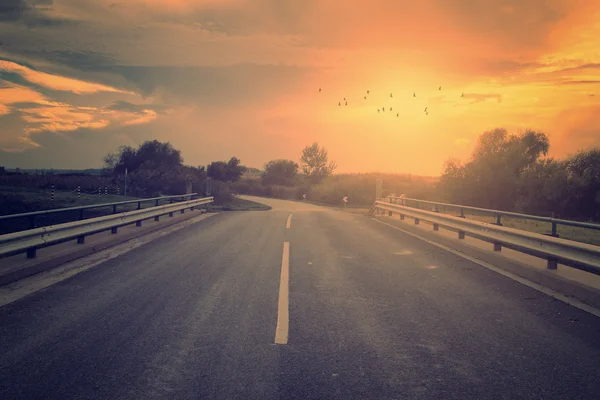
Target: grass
(238, 204)
(583, 235)
(16, 200)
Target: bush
(220, 191)
(360, 188)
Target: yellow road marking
(283, 314)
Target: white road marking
(17, 290)
(403, 253)
(288, 223)
(283, 314)
(552, 293)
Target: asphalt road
(373, 314)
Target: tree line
(512, 172)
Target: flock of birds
(382, 109)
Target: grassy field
(16, 200)
(582, 235)
(238, 204)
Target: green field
(582, 235)
(238, 204)
(16, 200)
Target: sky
(261, 79)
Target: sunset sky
(222, 78)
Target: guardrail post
(81, 214)
(416, 221)
(462, 213)
(498, 222)
(157, 218)
(170, 214)
(401, 217)
(138, 223)
(554, 232)
(32, 252)
(80, 239)
(390, 214)
(436, 209)
(156, 203)
(436, 227)
(461, 235)
(182, 210)
(552, 263)
(114, 230)
(139, 205)
(32, 222)
(497, 247)
(171, 200)
(115, 209)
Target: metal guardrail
(32, 215)
(582, 256)
(498, 214)
(30, 240)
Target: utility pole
(125, 188)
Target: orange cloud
(55, 82)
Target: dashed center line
(288, 224)
(283, 314)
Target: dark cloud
(83, 148)
(32, 13)
(514, 22)
(214, 86)
(77, 59)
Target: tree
(280, 172)
(217, 170)
(234, 170)
(314, 162)
(583, 174)
(490, 178)
(150, 154)
(230, 171)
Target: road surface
(361, 311)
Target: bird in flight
(425, 109)
(365, 97)
(319, 90)
(397, 114)
(414, 94)
(440, 88)
(368, 91)
(390, 108)
(462, 95)
(391, 95)
(340, 103)
(378, 110)
(346, 103)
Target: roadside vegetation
(509, 172)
